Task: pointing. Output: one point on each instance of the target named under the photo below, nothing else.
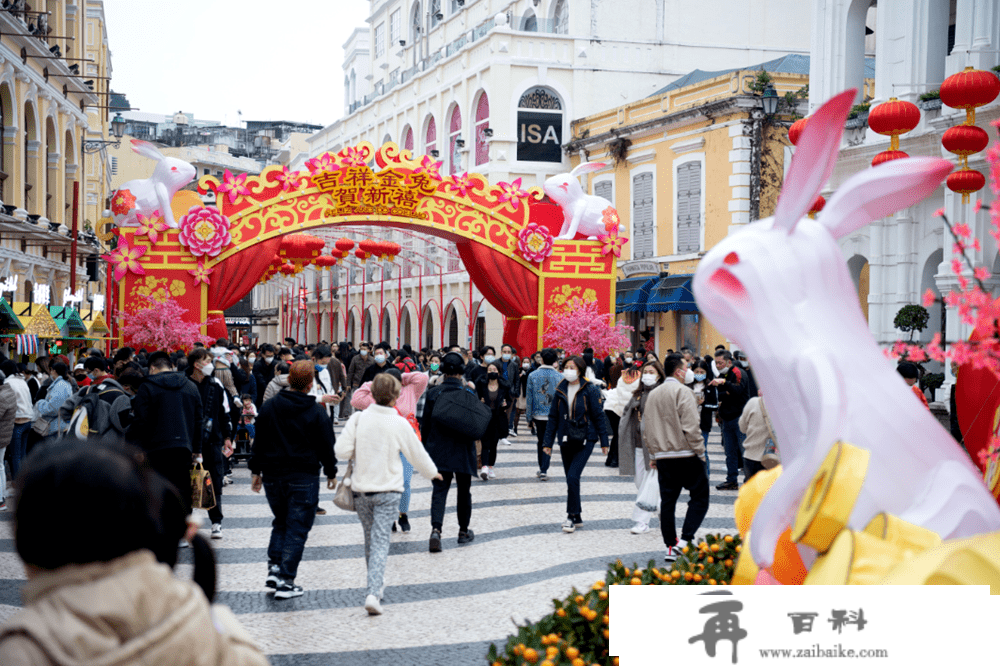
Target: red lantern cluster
(325, 262)
(301, 249)
(967, 90)
(891, 119)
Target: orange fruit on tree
(602, 595)
(711, 581)
(688, 575)
(710, 560)
(579, 599)
(560, 613)
(614, 661)
(715, 548)
(547, 662)
(697, 578)
(551, 652)
(572, 652)
(728, 563)
(636, 581)
(606, 633)
(579, 662)
(530, 655)
(729, 538)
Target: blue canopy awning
(631, 294)
(672, 293)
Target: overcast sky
(272, 60)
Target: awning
(672, 293)
(68, 320)
(631, 294)
(9, 320)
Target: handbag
(202, 491)
(343, 496)
(648, 498)
(462, 412)
(771, 457)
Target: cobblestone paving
(438, 608)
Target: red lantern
(965, 140)
(795, 131)
(287, 269)
(391, 249)
(888, 156)
(325, 262)
(893, 118)
(969, 89)
(369, 246)
(344, 246)
(965, 182)
(300, 248)
(361, 255)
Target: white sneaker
(682, 544)
(492, 474)
(484, 472)
(673, 552)
(505, 441)
(183, 544)
(216, 530)
(372, 605)
(569, 526)
(639, 528)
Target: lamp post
(117, 129)
(768, 106)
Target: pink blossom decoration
(151, 226)
(461, 184)
(612, 242)
(352, 156)
(511, 192)
(204, 231)
(289, 180)
(125, 259)
(535, 243)
(982, 273)
(201, 274)
(233, 186)
(430, 167)
(325, 162)
(929, 298)
(939, 212)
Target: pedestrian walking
(379, 439)
(495, 393)
(732, 390)
(294, 439)
(279, 382)
(754, 426)
(576, 420)
(49, 424)
(541, 391)
(8, 408)
(22, 416)
(671, 432)
(631, 439)
(510, 371)
(216, 427)
(707, 397)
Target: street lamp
(117, 129)
(769, 100)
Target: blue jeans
(404, 500)
(293, 503)
(19, 440)
(575, 454)
(732, 442)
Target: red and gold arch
(505, 235)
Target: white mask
(489, 358)
(380, 359)
(570, 374)
(505, 357)
(364, 352)
(269, 359)
(526, 366)
(689, 376)
(650, 380)
(207, 369)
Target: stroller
(241, 445)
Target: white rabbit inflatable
(156, 192)
(582, 213)
(781, 289)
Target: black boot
(404, 522)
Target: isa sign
(654, 624)
(539, 136)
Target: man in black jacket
(216, 427)
(732, 387)
(294, 437)
(454, 455)
(167, 419)
(263, 371)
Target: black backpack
(461, 411)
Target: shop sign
(237, 321)
(639, 268)
(539, 136)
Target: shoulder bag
(343, 497)
(771, 457)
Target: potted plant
(858, 117)
(929, 100)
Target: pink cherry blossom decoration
(125, 259)
(204, 231)
(233, 186)
(535, 243)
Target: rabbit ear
(880, 191)
(587, 167)
(814, 159)
(146, 149)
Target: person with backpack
(101, 410)
(58, 392)
(216, 427)
(453, 420)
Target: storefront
(660, 308)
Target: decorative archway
(504, 234)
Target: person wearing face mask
(495, 393)
(359, 364)
(80, 374)
(263, 370)
(671, 432)
(707, 397)
(487, 355)
(634, 458)
(48, 408)
(744, 362)
(510, 371)
(732, 387)
(521, 399)
(380, 364)
(541, 393)
(577, 419)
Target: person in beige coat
(100, 594)
(672, 433)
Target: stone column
(977, 36)
(911, 45)
(876, 280)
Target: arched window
(7, 169)
(415, 22)
(539, 126)
(386, 139)
(436, 15)
(51, 164)
(430, 139)
(560, 17)
(529, 22)
(454, 135)
(408, 138)
(482, 124)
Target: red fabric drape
(233, 279)
(509, 287)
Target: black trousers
(174, 465)
(613, 421)
(214, 463)
(544, 459)
(440, 497)
(674, 474)
(488, 456)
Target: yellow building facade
(686, 167)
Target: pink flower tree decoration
(161, 325)
(612, 242)
(511, 192)
(430, 167)
(201, 274)
(325, 162)
(125, 259)
(151, 226)
(204, 231)
(290, 180)
(461, 184)
(581, 324)
(233, 186)
(535, 243)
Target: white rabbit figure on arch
(156, 192)
(780, 288)
(582, 213)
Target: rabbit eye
(173, 168)
(731, 259)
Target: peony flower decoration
(151, 226)
(430, 167)
(204, 231)
(125, 259)
(511, 192)
(461, 184)
(233, 186)
(535, 243)
(325, 162)
(201, 274)
(289, 180)
(352, 156)
(612, 242)
(122, 202)
(611, 219)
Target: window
(605, 190)
(529, 23)
(114, 165)
(205, 172)
(561, 17)
(436, 13)
(689, 207)
(415, 22)
(394, 25)
(408, 138)
(455, 134)
(539, 126)
(430, 139)
(379, 40)
(643, 222)
(482, 124)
